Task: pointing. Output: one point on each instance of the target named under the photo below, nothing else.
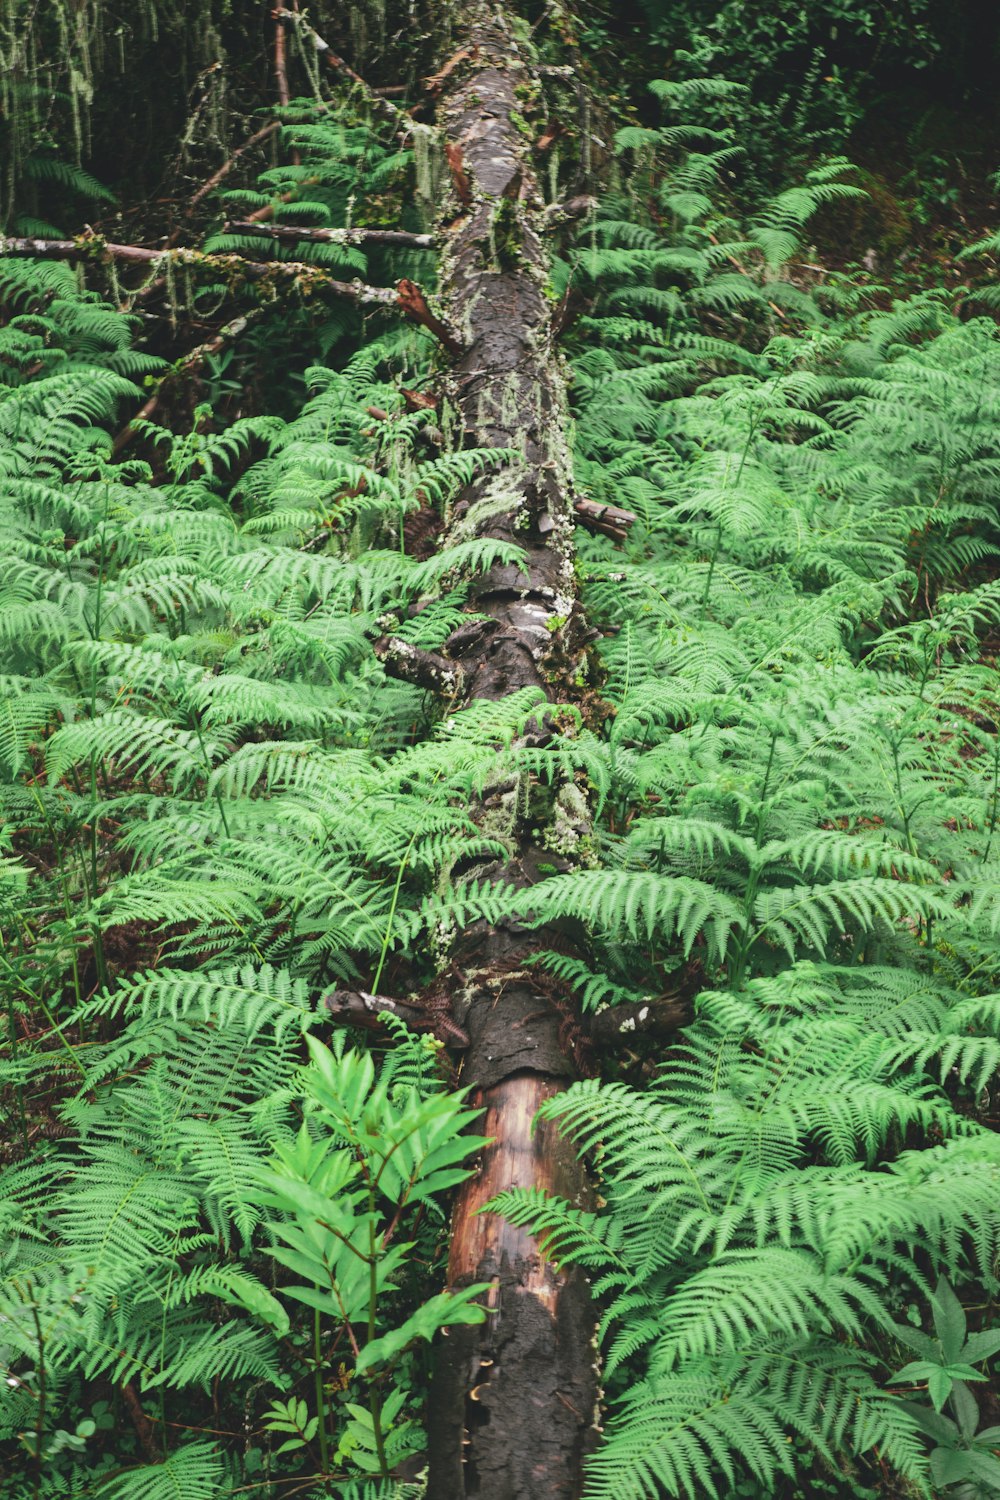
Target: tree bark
(512, 1407)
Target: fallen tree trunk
(512, 1408)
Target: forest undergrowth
(222, 1221)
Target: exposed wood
(281, 57)
(436, 82)
(459, 181)
(607, 519)
(81, 249)
(414, 304)
(549, 136)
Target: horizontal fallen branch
(289, 233)
(92, 247)
(358, 1008)
(609, 520)
(406, 297)
(425, 669)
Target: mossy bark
(513, 1401)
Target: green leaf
(949, 1321)
(438, 1312)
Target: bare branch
(191, 361)
(425, 669)
(228, 165)
(358, 1008)
(607, 519)
(378, 102)
(414, 304)
(87, 246)
(280, 57)
(313, 277)
(322, 236)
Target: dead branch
(413, 303)
(322, 236)
(357, 1008)
(228, 165)
(436, 82)
(280, 57)
(86, 247)
(609, 520)
(459, 178)
(142, 1424)
(424, 669)
(91, 247)
(378, 102)
(191, 361)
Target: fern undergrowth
(216, 805)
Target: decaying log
(512, 1407)
(607, 1028)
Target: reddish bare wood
(460, 182)
(280, 57)
(436, 82)
(608, 519)
(549, 136)
(414, 304)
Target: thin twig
(191, 361)
(228, 165)
(378, 102)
